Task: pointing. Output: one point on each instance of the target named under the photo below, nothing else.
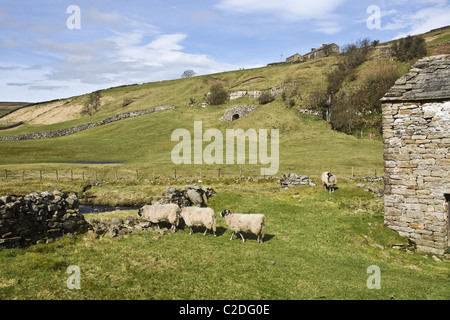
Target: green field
(317, 246)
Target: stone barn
(416, 137)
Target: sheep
(197, 217)
(238, 222)
(329, 181)
(161, 213)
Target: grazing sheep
(255, 223)
(329, 181)
(161, 213)
(197, 217)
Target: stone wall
(65, 132)
(10, 125)
(38, 218)
(417, 176)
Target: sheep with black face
(329, 181)
(239, 222)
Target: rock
(436, 258)
(195, 198)
(378, 246)
(192, 195)
(116, 221)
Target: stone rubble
(191, 195)
(293, 180)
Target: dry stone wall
(65, 132)
(39, 218)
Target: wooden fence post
(57, 178)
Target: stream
(90, 208)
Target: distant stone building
(416, 136)
(325, 50)
(295, 58)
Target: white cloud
(126, 51)
(293, 10)
(420, 21)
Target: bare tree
(188, 74)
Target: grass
(317, 246)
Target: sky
(58, 49)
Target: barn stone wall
(416, 137)
(417, 176)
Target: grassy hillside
(145, 142)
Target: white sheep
(161, 213)
(199, 217)
(329, 181)
(238, 222)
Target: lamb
(238, 222)
(198, 217)
(329, 181)
(161, 213)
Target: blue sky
(137, 41)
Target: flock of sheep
(205, 217)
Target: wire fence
(167, 174)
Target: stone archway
(237, 112)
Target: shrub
(409, 48)
(266, 97)
(126, 102)
(217, 95)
